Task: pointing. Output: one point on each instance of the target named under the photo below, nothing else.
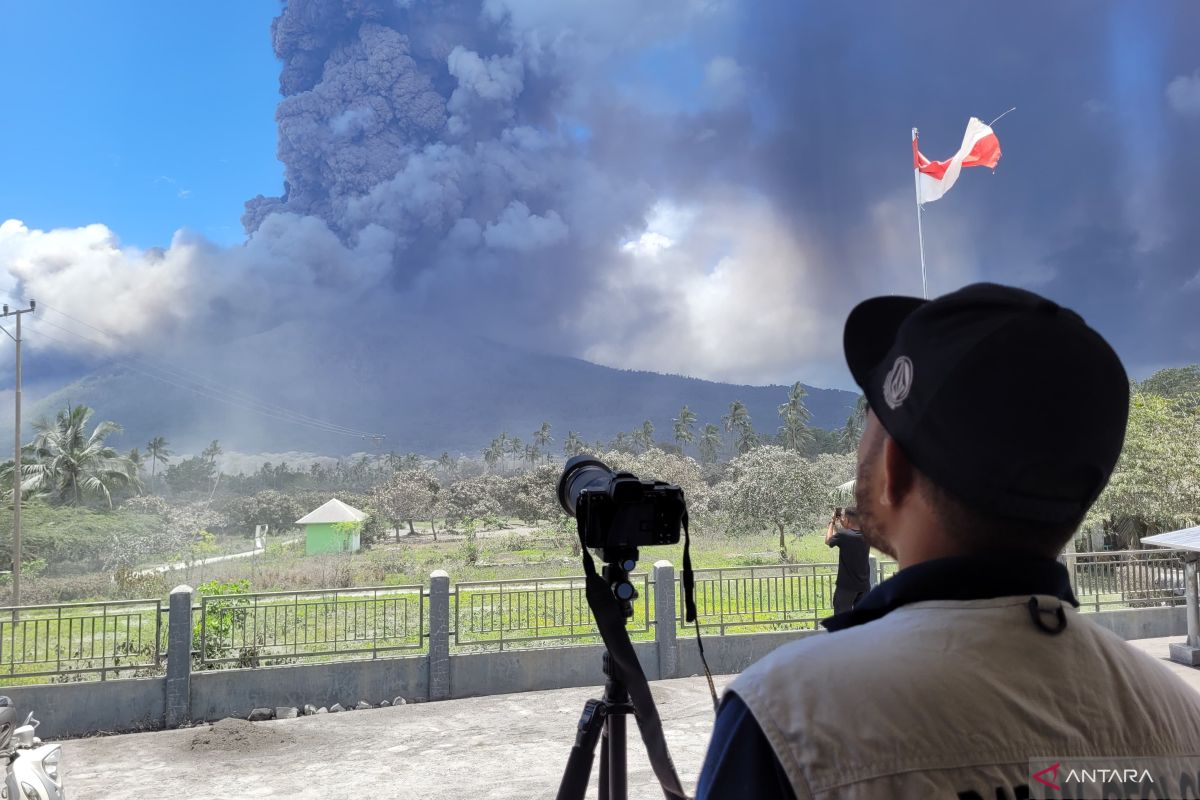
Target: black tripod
(604, 720)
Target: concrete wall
(1143, 623)
(729, 655)
(223, 693)
(74, 709)
(330, 537)
(475, 674)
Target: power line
(151, 371)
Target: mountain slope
(425, 389)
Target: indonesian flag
(980, 148)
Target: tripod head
(618, 563)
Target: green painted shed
(333, 528)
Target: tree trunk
(411, 531)
(782, 542)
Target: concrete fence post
(439, 635)
(177, 706)
(873, 576)
(664, 620)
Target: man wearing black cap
(996, 418)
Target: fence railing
(129, 638)
(274, 627)
(74, 640)
(519, 613)
(767, 598)
(1129, 579)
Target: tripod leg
(618, 776)
(579, 764)
(605, 757)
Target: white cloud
(134, 299)
(725, 79)
(85, 272)
(1183, 93)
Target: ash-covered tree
(479, 498)
(710, 444)
(195, 474)
(277, 510)
(794, 433)
(738, 422)
(532, 495)
(574, 445)
(683, 427)
(770, 487)
(542, 439)
(409, 495)
(643, 437)
(70, 465)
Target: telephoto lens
(581, 472)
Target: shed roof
(333, 511)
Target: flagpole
(920, 235)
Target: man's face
(869, 486)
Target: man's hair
(983, 532)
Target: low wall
(75, 709)
(729, 655)
(477, 674)
(1143, 623)
(223, 693)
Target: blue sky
(731, 177)
(145, 116)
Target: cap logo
(898, 382)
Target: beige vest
(954, 698)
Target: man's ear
(898, 477)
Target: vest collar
(979, 577)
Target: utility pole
(16, 546)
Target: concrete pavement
(506, 746)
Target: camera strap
(689, 607)
(611, 622)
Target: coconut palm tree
(710, 443)
(69, 465)
(574, 445)
(158, 453)
(212, 451)
(794, 433)
(643, 438)
(738, 421)
(852, 432)
(683, 426)
(542, 439)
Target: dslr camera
(619, 510)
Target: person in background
(854, 559)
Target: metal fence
(77, 640)
(252, 630)
(1127, 579)
(520, 613)
(766, 598)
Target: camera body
(631, 512)
(618, 510)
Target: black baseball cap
(1001, 396)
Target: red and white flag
(980, 148)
